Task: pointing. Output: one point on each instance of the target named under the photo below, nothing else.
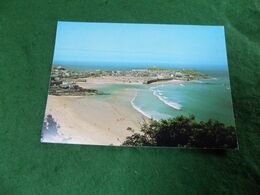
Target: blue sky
(139, 45)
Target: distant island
(68, 82)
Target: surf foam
(171, 104)
(139, 109)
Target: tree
(184, 132)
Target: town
(64, 81)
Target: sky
(139, 45)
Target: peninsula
(67, 82)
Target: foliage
(184, 71)
(155, 68)
(50, 126)
(184, 132)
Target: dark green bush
(184, 132)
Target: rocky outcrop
(72, 91)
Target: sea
(205, 99)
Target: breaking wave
(165, 100)
(152, 115)
(139, 109)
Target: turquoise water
(205, 99)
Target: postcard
(152, 85)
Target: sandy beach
(92, 120)
(95, 82)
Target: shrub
(184, 132)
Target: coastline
(89, 120)
(138, 109)
(107, 119)
(96, 82)
(94, 119)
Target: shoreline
(102, 82)
(94, 119)
(97, 119)
(89, 120)
(138, 109)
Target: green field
(27, 34)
